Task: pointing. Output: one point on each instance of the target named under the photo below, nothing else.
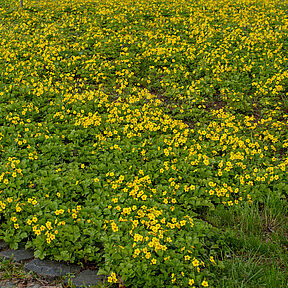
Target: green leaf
(39, 254)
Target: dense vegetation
(149, 137)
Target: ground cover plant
(149, 137)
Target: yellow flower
(42, 228)
(204, 283)
(114, 228)
(212, 260)
(187, 257)
(191, 282)
(148, 255)
(112, 278)
(48, 225)
(195, 262)
(137, 251)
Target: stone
(3, 245)
(7, 284)
(34, 286)
(88, 277)
(19, 255)
(50, 270)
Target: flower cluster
(121, 120)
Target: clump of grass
(250, 270)
(10, 270)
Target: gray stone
(87, 278)
(49, 269)
(7, 284)
(3, 245)
(19, 255)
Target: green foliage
(141, 136)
